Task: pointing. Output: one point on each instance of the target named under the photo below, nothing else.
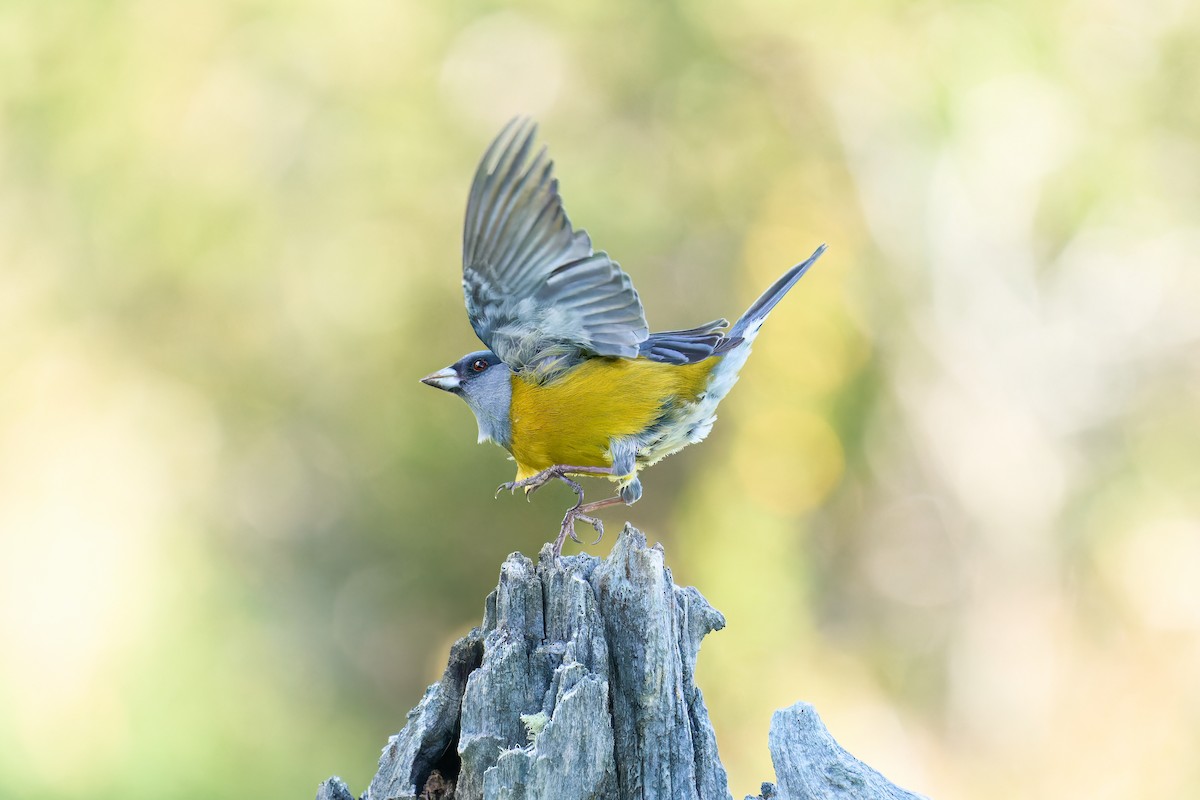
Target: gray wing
(689, 346)
(536, 292)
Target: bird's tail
(746, 328)
(734, 348)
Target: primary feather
(536, 293)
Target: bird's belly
(549, 434)
(689, 426)
(575, 419)
(690, 423)
(552, 443)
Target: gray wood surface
(578, 686)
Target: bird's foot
(582, 512)
(568, 528)
(557, 472)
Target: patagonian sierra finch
(573, 383)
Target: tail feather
(696, 344)
(747, 327)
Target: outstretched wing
(536, 293)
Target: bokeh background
(953, 502)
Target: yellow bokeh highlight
(787, 458)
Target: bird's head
(484, 382)
(461, 376)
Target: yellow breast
(572, 419)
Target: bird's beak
(444, 379)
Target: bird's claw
(577, 512)
(534, 482)
(568, 526)
(511, 487)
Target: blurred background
(954, 501)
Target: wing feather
(535, 290)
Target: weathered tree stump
(579, 685)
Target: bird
(573, 383)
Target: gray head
(485, 382)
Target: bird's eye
(479, 365)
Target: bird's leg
(558, 471)
(582, 511)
